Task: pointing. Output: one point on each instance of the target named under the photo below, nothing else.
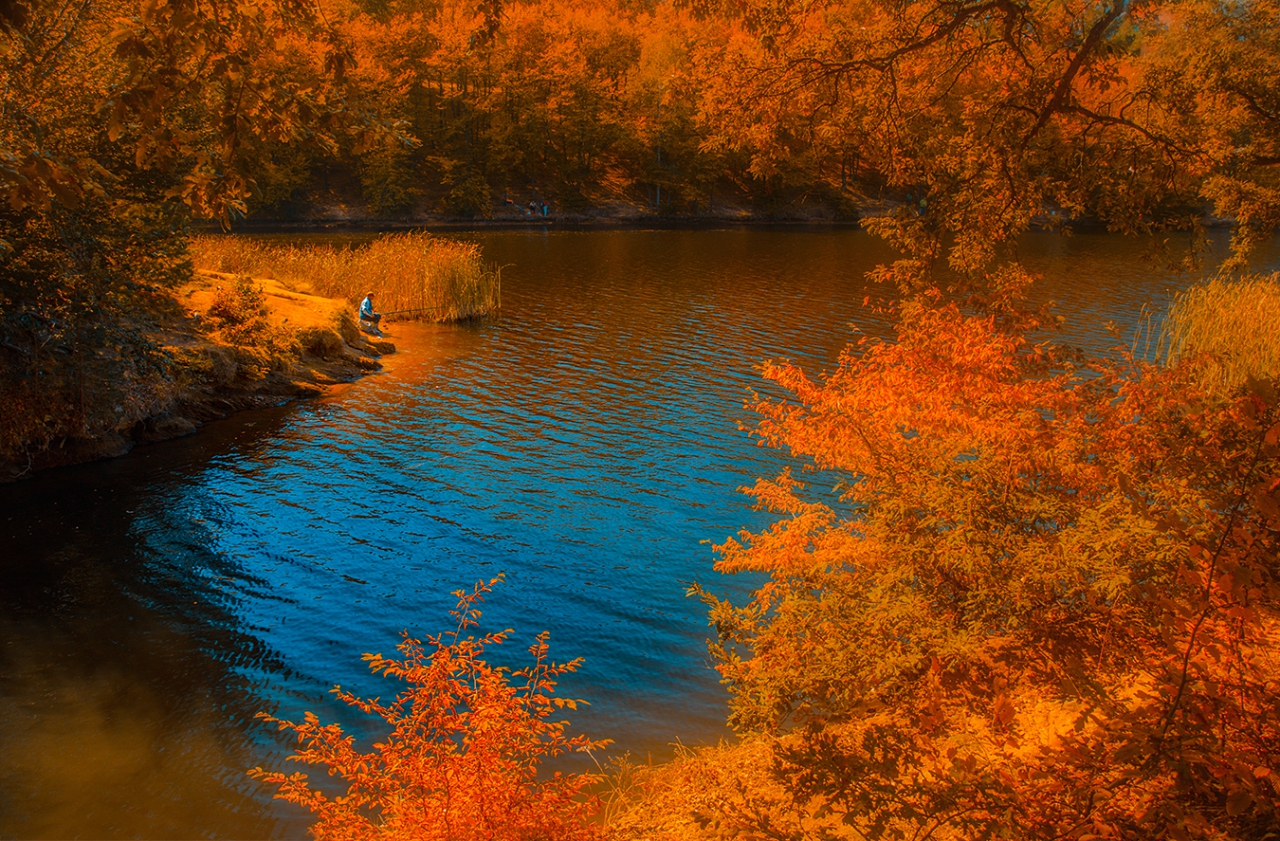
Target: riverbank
(222, 345)
(351, 214)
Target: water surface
(588, 444)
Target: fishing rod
(449, 306)
(419, 309)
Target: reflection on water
(126, 688)
(587, 444)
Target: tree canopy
(1044, 603)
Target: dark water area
(587, 444)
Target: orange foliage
(461, 761)
(1046, 604)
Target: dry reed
(413, 275)
(1234, 324)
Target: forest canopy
(1134, 114)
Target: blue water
(590, 444)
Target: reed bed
(1234, 323)
(412, 276)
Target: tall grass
(1235, 323)
(421, 276)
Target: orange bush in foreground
(1046, 604)
(462, 758)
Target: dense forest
(491, 106)
(461, 109)
(1135, 114)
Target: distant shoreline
(563, 222)
(598, 220)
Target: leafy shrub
(461, 761)
(708, 792)
(321, 341)
(239, 317)
(469, 194)
(240, 304)
(1046, 601)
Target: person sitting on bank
(367, 315)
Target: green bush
(469, 194)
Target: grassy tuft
(1232, 324)
(427, 277)
(711, 793)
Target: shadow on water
(126, 685)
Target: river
(588, 443)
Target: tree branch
(1063, 89)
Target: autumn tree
(982, 117)
(463, 755)
(120, 122)
(1043, 602)
(1216, 60)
